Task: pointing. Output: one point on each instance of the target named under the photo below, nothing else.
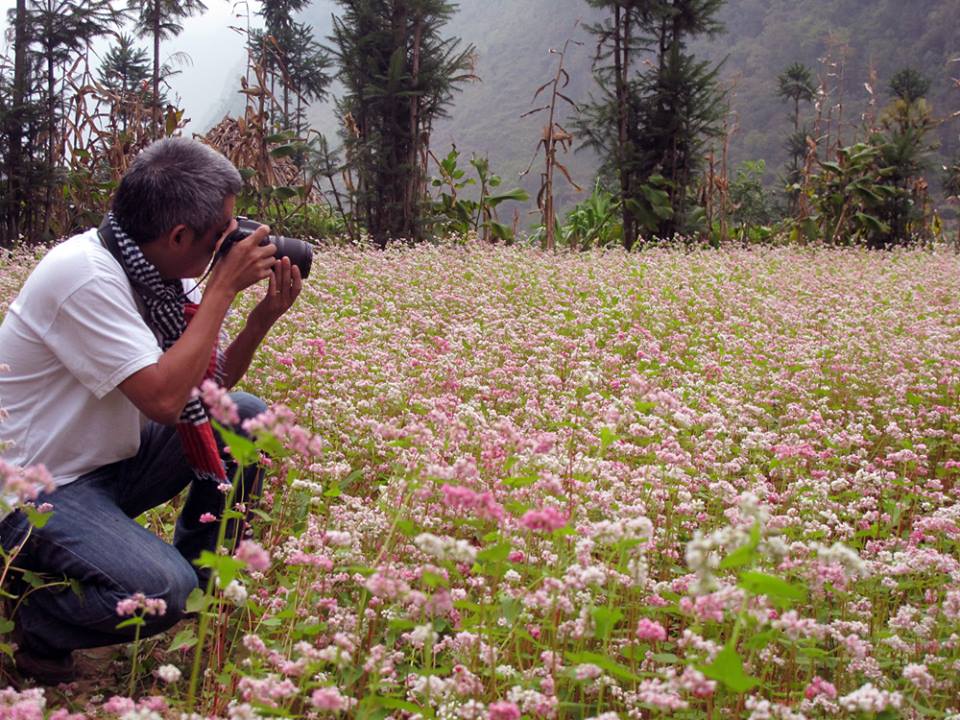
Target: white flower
(339, 538)
(446, 548)
(235, 592)
(870, 699)
(423, 635)
(141, 714)
(845, 557)
(168, 673)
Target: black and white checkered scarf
(167, 312)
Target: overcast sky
(217, 57)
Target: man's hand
(283, 290)
(246, 263)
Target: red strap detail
(201, 450)
(198, 441)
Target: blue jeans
(93, 539)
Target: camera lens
(299, 252)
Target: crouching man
(105, 343)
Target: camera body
(299, 252)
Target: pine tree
(293, 58)
(14, 97)
(125, 70)
(308, 65)
(609, 125)
(905, 146)
(399, 76)
(659, 107)
(795, 84)
(160, 20)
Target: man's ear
(178, 236)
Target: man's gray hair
(174, 181)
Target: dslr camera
(299, 252)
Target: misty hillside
(513, 39)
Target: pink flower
(650, 630)
(819, 686)
(546, 519)
(64, 714)
(253, 555)
(139, 602)
(119, 705)
(25, 483)
(483, 505)
(208, 518)
(218, 402)
(127, 606)
(503, 710)
(328, 698)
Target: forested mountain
(762, 37)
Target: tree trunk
(14, 130)
(51, 140)
(621, 60)
(156, 70)
(410, 200)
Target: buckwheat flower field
(505, 484)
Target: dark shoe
(45, 670)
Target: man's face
(199, 252)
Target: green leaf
(495, 554)
(185, 638)
(135, 621)
(519, 482)
(745, 554)
(759, 640)
(408, 527)
(243, 450)
(518, 194)
(197, 600)
(6, 626)
(32, 579)
(607, 438)
(875, 224)
(433, 580)
(775, 588)
(510, 608)
(284, 192)
(332, 492)
(727, 668)
(35, 517)
(665, 658)
(605, 620)
(397, 704)
(605, 663)
(224, 566)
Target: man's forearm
(160, 391)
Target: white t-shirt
(71, 336)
